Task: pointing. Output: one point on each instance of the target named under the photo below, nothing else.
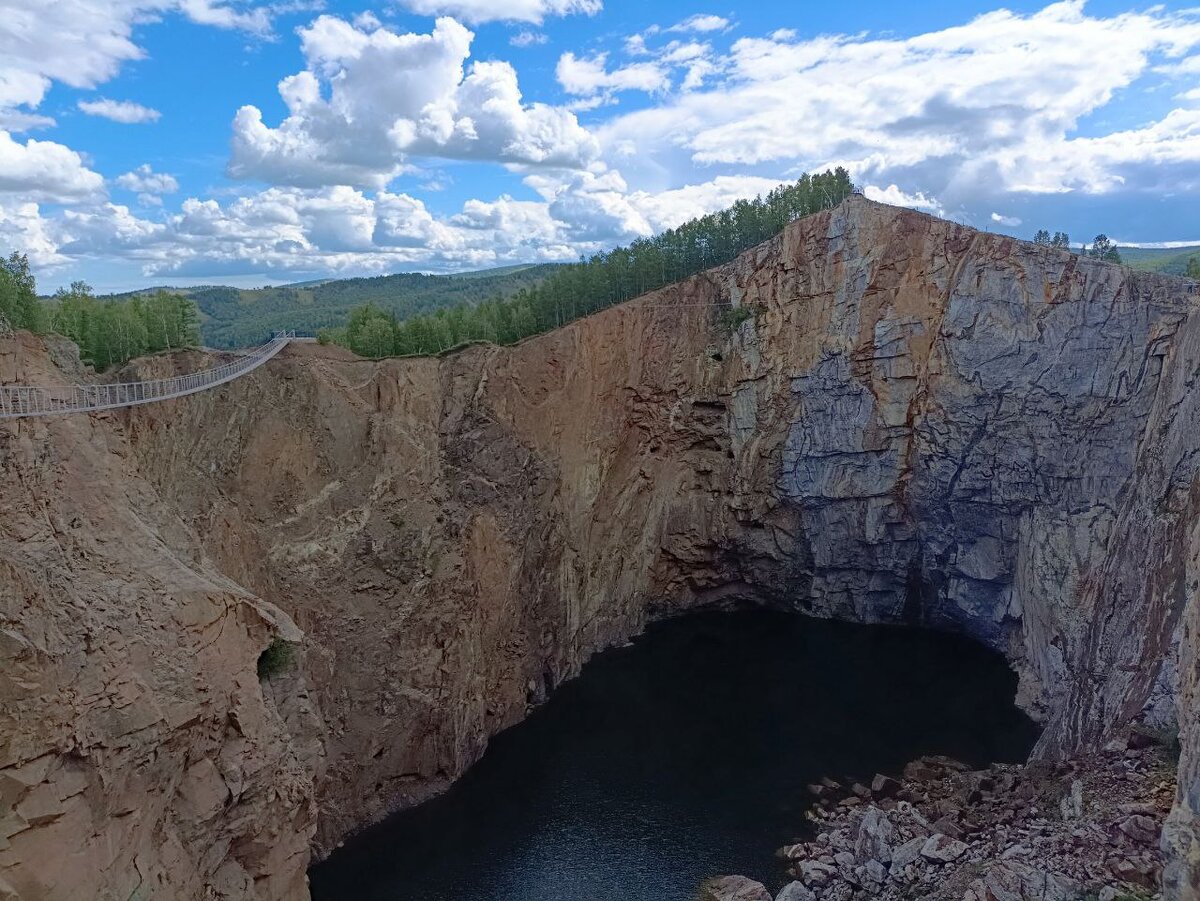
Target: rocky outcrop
(1088, 827)
(920, 423)
(140, 756)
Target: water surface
(683, 756)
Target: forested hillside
(1167, 260)
(236, 317)
(604, 279)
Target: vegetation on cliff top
(108, 332)
(238, 317)
(604, 279)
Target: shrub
(734, 318)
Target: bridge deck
(31, 400)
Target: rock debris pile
(1087, 828)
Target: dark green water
(683, 756)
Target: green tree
(1042, 238)
(19, 302)
(1104, 249)
(371, 332)
(118, 336)
(1193, 267)
(72, 313)
(605, 278)
(1061, 240)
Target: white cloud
(701, 23)
(44, 170)
(479, 11)
(124, 111)
(589, 75)
(23, 229)
(287, 231)
(1007, 221)
(221, 15)
(83, 43)
(528, 38)
(966, 112)
(145, 180)
(893, 195)
(392, 97)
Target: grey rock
(815, 873)
(733, 888)
(907, 853)
(940, 848)
(795, 891)
(875, 835)
(1016, 881)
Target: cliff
(921, 423)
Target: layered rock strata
(920, 423)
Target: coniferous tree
(604, 279)
(1042, 237)
(1104, 249)
(1061, 240)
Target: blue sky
(183, 141)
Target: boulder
(1139, 828)
(795, 891)
(1016, 881)
(907, 853)
(940, 848)
(815, 873)
(733, 888)
(875, 836)
(884, 786)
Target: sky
(148, 142)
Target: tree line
(1103, 248)
(108, 332)
(600, 281)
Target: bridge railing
(31, 400)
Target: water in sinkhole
(686, 755)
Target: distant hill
(237, 317)
(1167, 260)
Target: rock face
(140, 757)
(921, 424)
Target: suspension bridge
(32, 400)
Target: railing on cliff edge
(30, 400)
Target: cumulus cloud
(44, 170)
(80, 44)
(22, 228)
(479, 11)
(392, 97)
(294, 231)
(894, 196)
(1007, 221)
(144, 180)
(977, 109)
(83, 43)
(124, 111)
